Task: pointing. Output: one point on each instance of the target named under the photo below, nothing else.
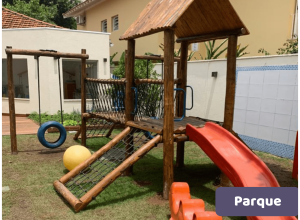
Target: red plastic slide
(240, 165)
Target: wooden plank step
(156, 125)
(145, 125)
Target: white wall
(61, 40)
(209, 92)
(266, 103)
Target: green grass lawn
(31, 173)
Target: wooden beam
(147, 57)
(47, 53)
(107, 81)
(213, 36)
(83, 99)
(230, 82)
(11, 102)
(154, 81)
(129, 94)
(168, 151)
(182, 75)
(73, 201)
(129, 74)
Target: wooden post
(181, 74)
(230, 82)
(11, 101)
(129, 102)
(230, 93)
(168, 152)
(83, 99)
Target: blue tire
(42, 130)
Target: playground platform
(156, 126)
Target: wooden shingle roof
(187, 17)
(12, 19)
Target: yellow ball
(74, 156)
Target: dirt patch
(143, 183)
(22, 206)
(282, 173)
(158, 200)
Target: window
(104, 26)
(115, 23)
(72, 77)
(20, 75)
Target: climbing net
(150, 100)
(96, 171)
(108, 98)
(108, 106)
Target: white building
(25, 67)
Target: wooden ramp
(81, 185)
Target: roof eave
(81, 8)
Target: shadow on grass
(147, 180)
(198, 173)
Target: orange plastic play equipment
(236, 161)
(184, 208)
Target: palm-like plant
(240, 51)
(211, 51)
(178, 52)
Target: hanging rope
(61, 111)
(39, 95)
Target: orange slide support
(236, 161)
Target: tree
(45, 10)
(62, 7)
(34, 9)
(140, 69)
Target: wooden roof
(189, 18)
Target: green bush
(72, 119)
(70, 123)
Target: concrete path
(24, 126)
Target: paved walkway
(24, 126)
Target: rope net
(108, 98)
(96, 171)
(150, 101)
(97, 127)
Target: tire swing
(44, 127)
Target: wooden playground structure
(119, 101)
(11, 91)
(215, 20)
